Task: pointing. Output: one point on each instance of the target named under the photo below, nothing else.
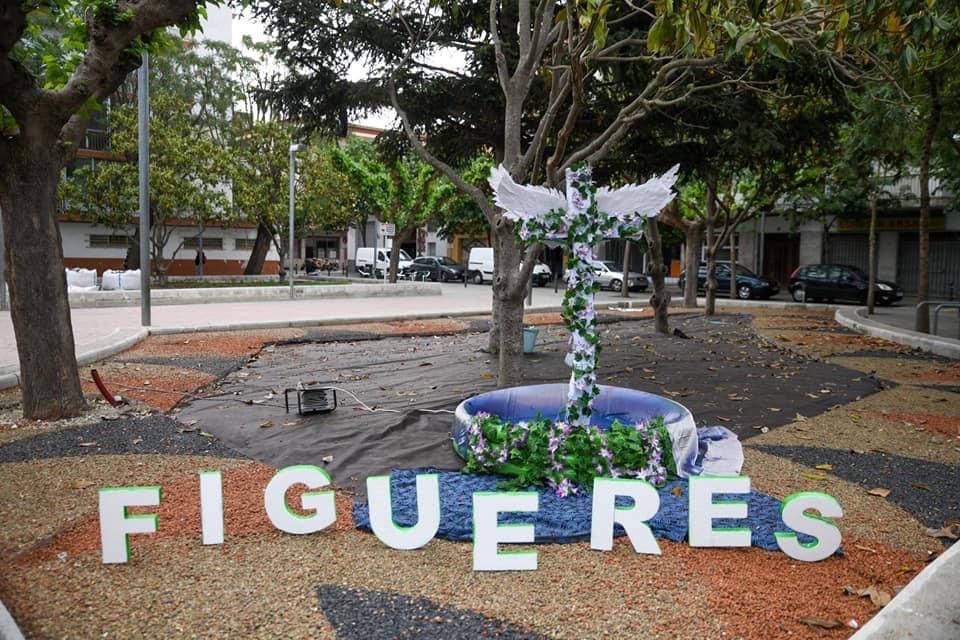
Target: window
(243, 244)
(108, 242)
(431, 248)
(208, 243)
(328, 248)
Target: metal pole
(293, 180)
(143, 97)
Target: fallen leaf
(136, 441)
(879, 491)
(188, 430)
(291, 423)
(921, 486)
(677, 491)
(800, 417)
(951, 533)
(823, 623)
(327, 459)
(86, 444)
(82, 484)
(266, 424)
(878, 596)
(814, 476)
(206, 434)
(486, 376)
(824, 467)
(860, 546)
(774, 409)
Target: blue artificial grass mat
(566, 519)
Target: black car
(831, 282)
(749, 284)
(437, 268)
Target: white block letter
(646, 502)
(826, 533)
(487, 533)
(703, 510)
(211, 507)
(381, 512)
(321, 502)
(116, 525)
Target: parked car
(610, 276)
(376, 260)
(831, 282)
(437, 268)
(480, 267)
(749, 284)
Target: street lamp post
(294, 148)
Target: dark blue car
(839, 282)
(749, 284)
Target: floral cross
(578, 222)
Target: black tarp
(724, 373)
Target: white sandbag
(110, 280)
(130, 280)
(81, 279)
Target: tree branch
(503, 74)
(475, 194)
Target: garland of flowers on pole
(567, 454)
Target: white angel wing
(646, 199)
(523, 202)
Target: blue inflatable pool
(629, 406)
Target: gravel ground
(358, 614)
(264, 584)
(930, 491)
(863, 426)
(143, 435)
(216, 366)
(865, 516)
(67, 490)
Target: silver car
(610, 277)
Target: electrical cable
(194, 396)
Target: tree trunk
(923, 277)
(691, 264)
(132, 259)
(39, 307)
(733, 267)
(872, 257)
(399, 239)
(261, 247)
(508, 291)
(660, 300)
(625, 284)
(711, 219)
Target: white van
(363, 262)
(480, 267)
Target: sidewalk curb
(855, 318)
(925, 609)
(8, 626)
